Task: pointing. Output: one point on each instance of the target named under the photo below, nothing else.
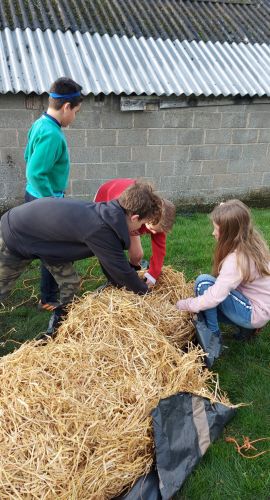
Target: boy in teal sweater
(47, 160)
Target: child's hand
(180, 305)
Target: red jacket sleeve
(158, 253)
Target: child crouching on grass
(239, 291)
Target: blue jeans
(235, 309)
(48, 285)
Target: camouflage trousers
(12, 266)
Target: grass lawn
(244, 370)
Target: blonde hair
(237, 233)
(167, 216)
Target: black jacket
(64, 230)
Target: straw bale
(75, 413)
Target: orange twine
(247, 445)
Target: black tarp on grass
(184, 427)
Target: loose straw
(75, 413)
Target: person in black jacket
(59, 231)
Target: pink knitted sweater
(229, 278)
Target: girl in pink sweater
(239, 291)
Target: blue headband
(64, 96)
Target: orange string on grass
(247, 445)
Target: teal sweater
(47, 159)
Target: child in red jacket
(112, 190)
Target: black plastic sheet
(184, 427)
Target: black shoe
(56, 319)
(245, 334)
(209, 341)
(102, 287)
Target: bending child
(239, 291)
(59, 231)
(112, 190)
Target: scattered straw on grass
(75, 413)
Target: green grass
(244, 370)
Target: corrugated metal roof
(223, 21)
(32, 60)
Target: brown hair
(167, 216)
(237, 233)
(65, 85)
(140, 199)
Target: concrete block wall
(195, 155)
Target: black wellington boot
(209, 341)
(56, 319)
